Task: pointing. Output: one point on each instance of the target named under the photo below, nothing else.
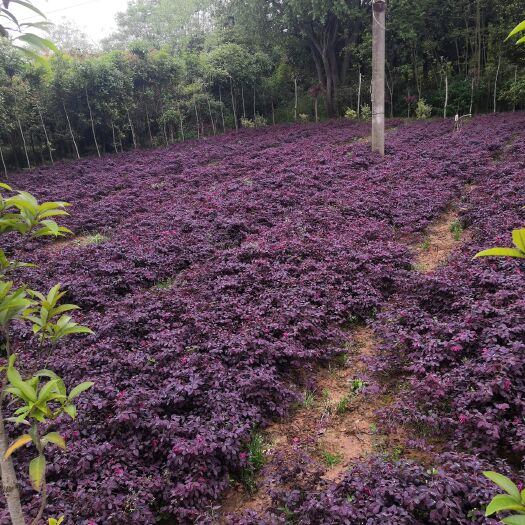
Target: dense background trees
(177, 69)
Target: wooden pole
(378, 76)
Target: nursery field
(281, 309)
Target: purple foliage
(272, 239)
(460, 332)
(375, 492)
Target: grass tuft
(165, 284)
(457, 230)
(330, 459)
(95, 238)
(255, 449)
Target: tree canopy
(177, 69)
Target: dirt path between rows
(440, 240)
(335, 424)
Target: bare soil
(338, 422)
(439, 243)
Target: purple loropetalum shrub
(374, 492)
(226, 265)
(460, 335)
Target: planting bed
(217, 274)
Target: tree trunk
(233, 105)
(329, 87)
(222, 110)
(349, 40)
(318, 66)
(14, 147)
(165, 133)
(478, 38)
(9, 481)
(114, 138)
(148, 122)
(23, 141)
(243, 104)
(378, 74)
(471, 96)
(315, 109)
(295, 104)
(334, 72)
(359, 94)
(496, 84)
(458, 58)
(71, 131)
(132, 130)
(32, 139)
(515, 83)
(93, 124)
(273, 113)
(254, 102)
(416, 72)
(323, 51)
(446, 96)
(211, 117)
(181, 124)
(46, 136)
(197, 117)
(3, 162)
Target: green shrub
(366, 112)
(350, 114)
(247, 123)
(303, 117)
(41, 398)
(423, 110)
(260, 121)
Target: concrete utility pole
(378, 76)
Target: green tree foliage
(513, 500)
(20, 33)
(178, 69)
(41, 397)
